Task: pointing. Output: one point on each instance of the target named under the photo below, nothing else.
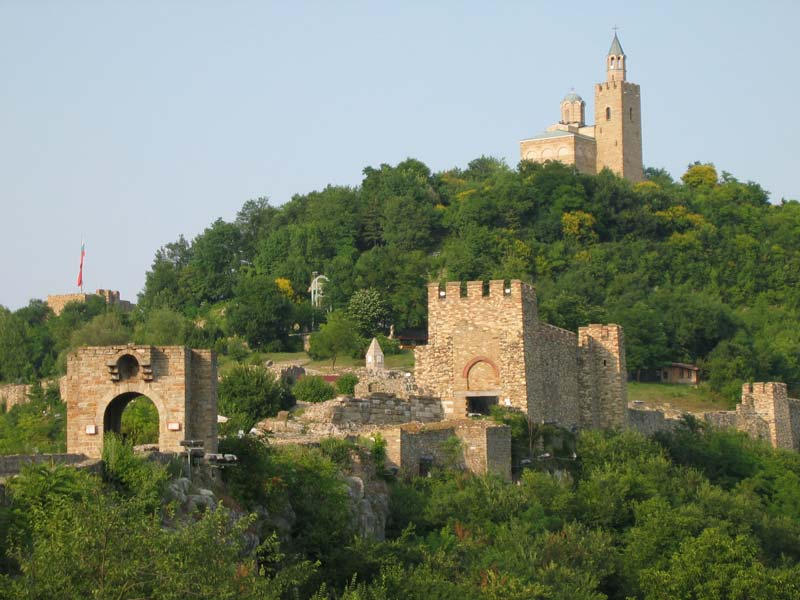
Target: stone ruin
(102, 380)
(765, 412)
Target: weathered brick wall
(13, 464)
(12, 394)
(97, 390)
(794, 415)
(485, 447)
(203, 399)
(490, 342)
(482, 332)
(400, 383)
(385, 409)
(649, 422)
(770, 401)
(603, 377)
(553, 375)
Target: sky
(131, 123)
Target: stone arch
(109, 412)
(563, 152)
(101, 381)
(481, 373)
(547, 154)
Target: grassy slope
(679, 397)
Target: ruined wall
(385, 409)
(485, 447)
(14, 463)
(370, 381)
(794, 415)
(553, 375)
(648, 421)
(202, 398)
(770, 402)
(12, 394)
(603, 377)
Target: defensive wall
(765, 412)
(483, 446)
(57, 302)
(486, 345)
(14, 463)
(12, 394)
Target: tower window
(630, 113)
(608, 113)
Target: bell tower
(618, 119)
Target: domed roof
(572, 97)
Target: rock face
(369, 501)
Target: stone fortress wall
(12, 394)
(765, 412)
(486, 342)
(57, 302)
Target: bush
(389, 346)
(346, 384)
(313, 389)
(249, 393)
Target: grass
(404, 360)
(680, 397)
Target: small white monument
(375, 356)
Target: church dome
(572, 97)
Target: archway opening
(134, 417)
(127, 367)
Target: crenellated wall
(486, 344)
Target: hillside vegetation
(693, 514)
(703, 270)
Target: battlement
(57, 302)
(471, 290)
(626, 86)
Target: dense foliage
(702, 514)
(248, 394)
(702, 270)
(313, 388)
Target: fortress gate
(101, 381)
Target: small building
(374, 357)
(679, 373)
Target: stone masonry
(613, 142)
(765, 412)
(486, 345)
(101, 381)
(57, 302)
(484, 446)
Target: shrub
(313, 389)
(249, 393)
(346, 384)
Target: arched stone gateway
(102, 380)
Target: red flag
(80, 271)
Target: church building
(615, 139)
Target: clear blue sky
(135, 122)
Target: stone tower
(618, 119)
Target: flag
(80, 271)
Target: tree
(368, 310)
(163, 327)
(248, 394)
(336, 337)
(260, 312)
(103, 330)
